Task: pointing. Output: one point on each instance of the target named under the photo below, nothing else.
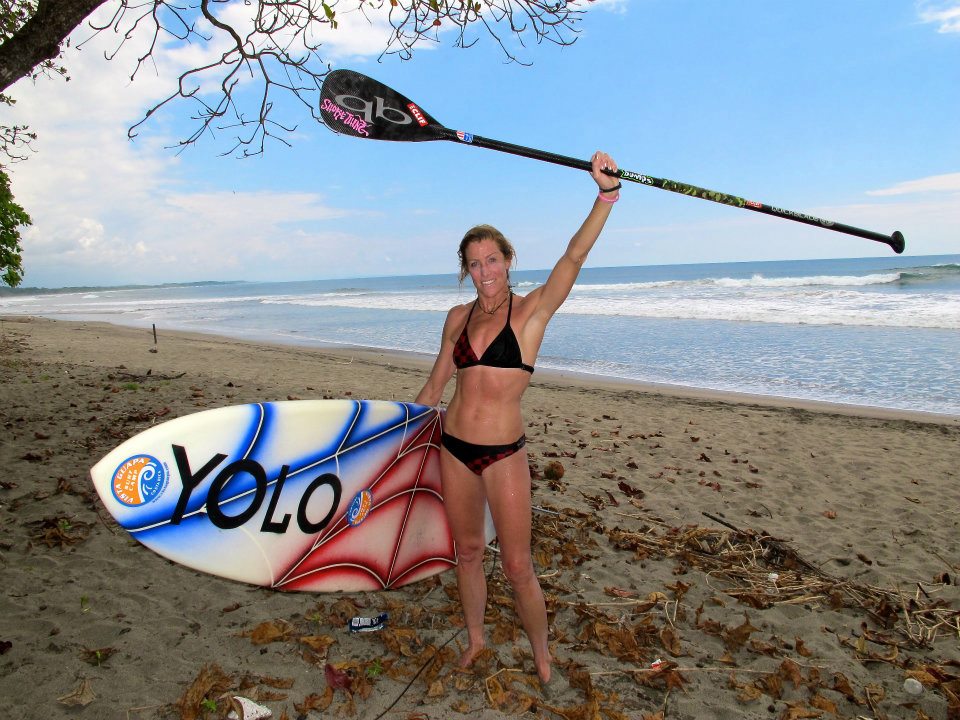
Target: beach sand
(780, 561)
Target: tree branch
(276, 46)
(39, 39)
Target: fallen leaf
(82, 695)
(211, 682)
(819, 701)
(620, 593)
(736, 638)
(315, 702)
(797, 711)
(671, 641)
(269, 631)
(318, 643)
(337, 679)
(843, 686)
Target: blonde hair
(484, 232)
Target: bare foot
(545, 674)
(544, 668)
(470, 654)
(555, 686)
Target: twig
(486, 682)
(142, 708)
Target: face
(487, 267)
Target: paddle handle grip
(895, 240)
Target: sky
(848, 111)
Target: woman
(493, 342)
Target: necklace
(500, 305)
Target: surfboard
(311, 495)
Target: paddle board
(313, 495)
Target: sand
(704, 556)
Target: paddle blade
(354, 104)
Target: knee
(470, 553)
(519, 570)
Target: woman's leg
(463, 500)
(507, 485)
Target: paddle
(354, 104)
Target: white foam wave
(834, 308)
(434, 302)
(759, 281)
(755, 281)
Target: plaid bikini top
(503, 352)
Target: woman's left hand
(600, 162)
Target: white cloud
(107, 210)
(949, 182)
(944, 14)
(358, 34)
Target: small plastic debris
(656, 664)
(368, 624)
(250, 710)
(912, 686)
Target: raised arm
(551, 294)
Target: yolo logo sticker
(139, 480)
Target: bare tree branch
(270, 51)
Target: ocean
(876, 332)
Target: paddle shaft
(895, 240)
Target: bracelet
(604, 198)
(613, 189)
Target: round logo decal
(138, 480)
(360, 507)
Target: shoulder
(460, 312)
(457, 316)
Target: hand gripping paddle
(354, 104)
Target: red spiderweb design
(405, 537)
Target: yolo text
(191, 480)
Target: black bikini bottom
(479, 457)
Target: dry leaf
(211, 682)
(337, 679)
(82, 695)
(789, 670)
(727, 659)
(819, 701)
(671, 641)
(796, 711)
(620, 593)
(843, 686)
(315, 702)
(318, 643)
(736, 638)
(269, 631)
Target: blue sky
(844, 110)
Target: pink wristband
(606, 199)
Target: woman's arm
(443, 366)
(550, 296)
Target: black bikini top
(503, 352)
